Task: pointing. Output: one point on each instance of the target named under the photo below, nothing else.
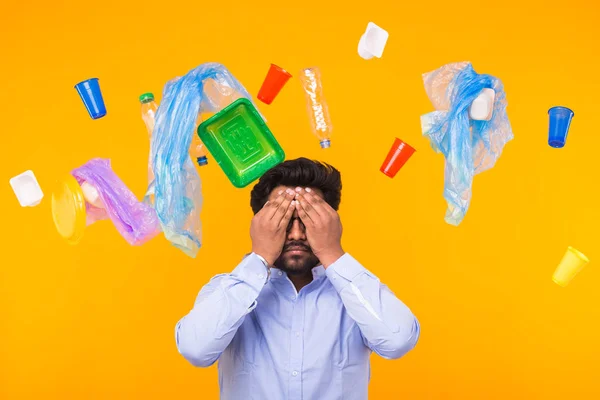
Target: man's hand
(323, 226)
(269, 225)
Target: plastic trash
(318, 111)
(91, 95)
(68, 209)
(219, 95)
(91, 195)
(482, 108)
(27, 189)
(372, 42)
(197, 151)
(93, 192)
(275, 80)
(470, 147)
(572, 263)
(560, 121)
(398, 155)
(177, 185)
(149, 109)
(241, 143)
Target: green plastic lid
(146, 98)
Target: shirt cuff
(261, 258)
(343, 271)
(253, 271)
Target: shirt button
(295, 373)
(280, 273)
(261, 276)
(297, 334)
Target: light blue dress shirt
(274, 343)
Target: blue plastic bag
(177, 188)
(470, 147)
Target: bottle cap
(202, 161)
(146, 98)
(325, 144)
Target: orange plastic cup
(273, 83)
(398, 155)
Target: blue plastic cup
(91, 95)
(560, 120)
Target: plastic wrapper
(470, 147)
(177, 187)
(317, 109)
(136, 221)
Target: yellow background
(96, 321)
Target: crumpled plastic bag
(136, 221)
(177, 187)
(470, 147)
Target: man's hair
(299, 172)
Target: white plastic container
(372, 42)
(27, 189)
(482, 108)
(91, 195)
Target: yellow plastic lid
(68, 209)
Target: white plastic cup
(91, 195)
(26, 188)
(482, 108)
(372, 42)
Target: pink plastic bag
(135, 220)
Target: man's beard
(296, 264)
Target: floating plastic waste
(470, 147)
(318, 112)
(177, 186)
(27, 189)
(91, 95)
(93, 192)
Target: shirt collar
(317, 272)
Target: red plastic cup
(396, 158)
(275, 80)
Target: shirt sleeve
(387, 325)
(220, 308)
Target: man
(298, 318)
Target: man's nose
(297, 231)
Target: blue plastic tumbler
(560, 120)
(90, 94)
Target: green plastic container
(241, 143)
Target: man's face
(296, 256)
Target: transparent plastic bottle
(149, 109)
(197, 149)
(318, 112)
